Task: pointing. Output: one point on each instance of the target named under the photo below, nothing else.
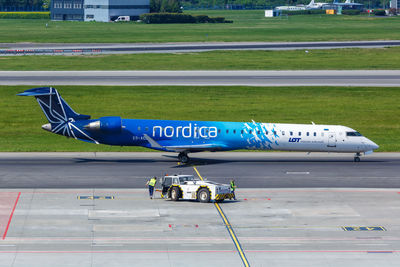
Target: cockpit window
(353, 134)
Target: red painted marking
(197, 226)
(245, 199)
(11, 215)
(269, 199)
(169, 225)
(120, 251)
(323, 251)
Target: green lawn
(374, 112)
(249, 25)
(343, 59)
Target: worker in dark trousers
(151, 183)
(233, 187)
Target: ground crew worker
(151, 183)
(233, 187)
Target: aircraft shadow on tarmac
(205, 161)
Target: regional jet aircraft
(195, 136)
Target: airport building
(395, 4)
(97, 10)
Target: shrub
(167, 18)
(24, 15)
(201, 18)
(157, 18)
(351, 12)
(379, 12)
(217, 20)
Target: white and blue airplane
(196, 136)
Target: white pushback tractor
(178, 187)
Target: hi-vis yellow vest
(152, 182)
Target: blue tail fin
(53, 105)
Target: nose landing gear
(357, 157)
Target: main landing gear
(183, 157)
(357, 157)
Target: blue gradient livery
(195, 136)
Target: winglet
(152, 142)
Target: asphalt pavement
(204, 78)
(8, 49)
(250, 170)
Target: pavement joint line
(229, 228)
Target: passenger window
(299, 133)
(258, 132)
(227, 131)
(283, 132)
(219, 130)
(308, 134)
(146, 129)
(234, 131)
(138, 128)
(266, 132)
(291, 133)
(315, 134)
(241, 131)
(274, 132)
(250, 132)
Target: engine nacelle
(106, 124)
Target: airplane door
(331, 139)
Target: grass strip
(334, 59)
(249, 25)
(372, 111)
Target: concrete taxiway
(203, 78)
(272, 227)
(91, 209)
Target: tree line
(175, 6)
(248, 4)
(23, 3)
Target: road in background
(211, 78)
(133, 48)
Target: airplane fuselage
(174, 135)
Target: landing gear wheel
(183, 157)
(203, 195)
(175, 194)
(357, 157)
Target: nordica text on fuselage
(188, 131)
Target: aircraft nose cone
(47, 127)
(374, 146)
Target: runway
(204, 78)
(131, 48)
(250, 170)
